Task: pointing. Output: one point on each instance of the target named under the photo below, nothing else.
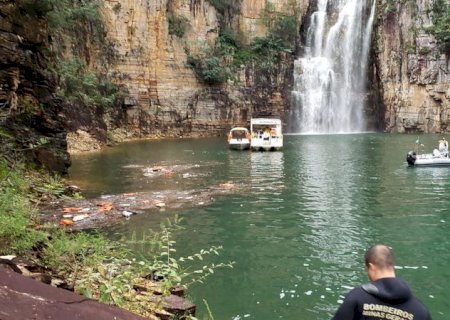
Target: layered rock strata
(413, 72)
(166, 98)
(29, 112)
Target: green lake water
(299, 229)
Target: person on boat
(273, 132)
(443, 146)
(436, 152)
(385, 297)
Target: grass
(17, 215)
(93, 265)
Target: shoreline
(81, 142)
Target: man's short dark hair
(381, 256)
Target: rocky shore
(110, 209)
(31, 295)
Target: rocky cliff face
(411, 71)
(29, 112)
(410, 75)
(166, 98)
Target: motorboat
(266, 134)
(439, 157)
(239, 138)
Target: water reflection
(304, 217)
(267, 172)
(327, 195)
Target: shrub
(17, 216)
(114, 281)
(216, 64)
(209, 68)
(69, 14)
(37, 7)
(177, 25)
(117, 7)
(69, 254)
(441, 23)
(78, 85)
(226, 7)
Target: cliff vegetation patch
(79, 85)
(440, 13)
(219, 62)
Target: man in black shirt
(385, 297)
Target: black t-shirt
(384, 299)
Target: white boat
(266, 134)
(439, 157)
(239, 138)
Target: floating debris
(66, 222)
(105, 206)
(133, 166)
(227, 185)
(80, 217)
(127, 214)
(160, 204)
(108, 209)
(71, 210)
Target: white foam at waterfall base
(330, 77)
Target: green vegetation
(68, 254)
(390, 6)
(91, 264)
(177, 25)
(37, 7)
(216, 64)
(441, 23)
(78, 85)
(208, 68)
(82, 21)
(410, 48)
(79, 22)
(17, 215)
(117, 7)
(66, 14)
(226, 8)
(69, 14)
(394, 6)
(114, 281)
(102, 270)
(424, 51)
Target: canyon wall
(165, 96)
(31, 122)
(411, 69)
(409, 89)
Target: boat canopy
(239, 129)
(265, 121)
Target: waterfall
(330, 77)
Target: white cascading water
(330, 77)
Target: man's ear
(371, 271)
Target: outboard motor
(411, 158)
